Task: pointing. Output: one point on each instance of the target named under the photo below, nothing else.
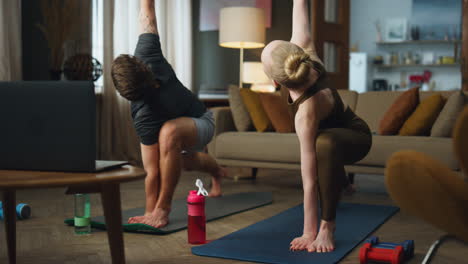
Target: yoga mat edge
(266, 199)
(350, 239)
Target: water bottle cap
(193, 197)
(201, 190)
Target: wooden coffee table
(107, 183)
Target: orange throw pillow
(422, 119)
(400, 110)
(276, 108)
(257, 113)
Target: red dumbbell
(392, 256)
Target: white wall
(364, 14)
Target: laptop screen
(47, 126)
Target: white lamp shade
(253, 73)
(263, 88)
(242, 27)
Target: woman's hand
(301, 243)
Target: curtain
(80, 41)
(117, 136)
(175, 27)
(10, 40)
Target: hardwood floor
(45, 239)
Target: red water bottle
(196, 218)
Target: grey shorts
(205, 131)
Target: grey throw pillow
(445, 122)
(240, 115)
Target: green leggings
(337, 147)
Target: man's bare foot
(137, 219)
(300, 243)
(158, 218)
(216, 182)
(325, 241)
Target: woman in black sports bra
(330, 134)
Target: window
(98, 38)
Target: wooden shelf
(420, 42)
(416, 65)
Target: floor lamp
(242, 28)
(254, 74)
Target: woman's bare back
(323, 100)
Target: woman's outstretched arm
(147, 18)
(306, 124)
(301, 31)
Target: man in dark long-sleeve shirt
(173, 125)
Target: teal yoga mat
(215, 208)
(268, 241)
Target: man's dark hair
(131, 77)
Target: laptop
(49, 126)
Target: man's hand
(148, 22)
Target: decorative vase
(379, 36)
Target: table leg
(110, 194)
(9, 204)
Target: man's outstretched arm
(148, 22)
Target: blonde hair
(290, 65)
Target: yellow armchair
(430, 190)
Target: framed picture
(396, 29)
(437, 19)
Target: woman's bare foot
(300, 243)
(325, 241)
(216, 182)
(158, 218)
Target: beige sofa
(279, 150)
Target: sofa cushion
(277, 111)
(240, 114)
(400, 110)
(425, 94)
(371, 106)
(422, 119)
(276, 147)
(383, 147)
(252, 102)
(349, 98)
(271, 147)
(444, 124)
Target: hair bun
(297, 67)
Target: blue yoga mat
(268, 241)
